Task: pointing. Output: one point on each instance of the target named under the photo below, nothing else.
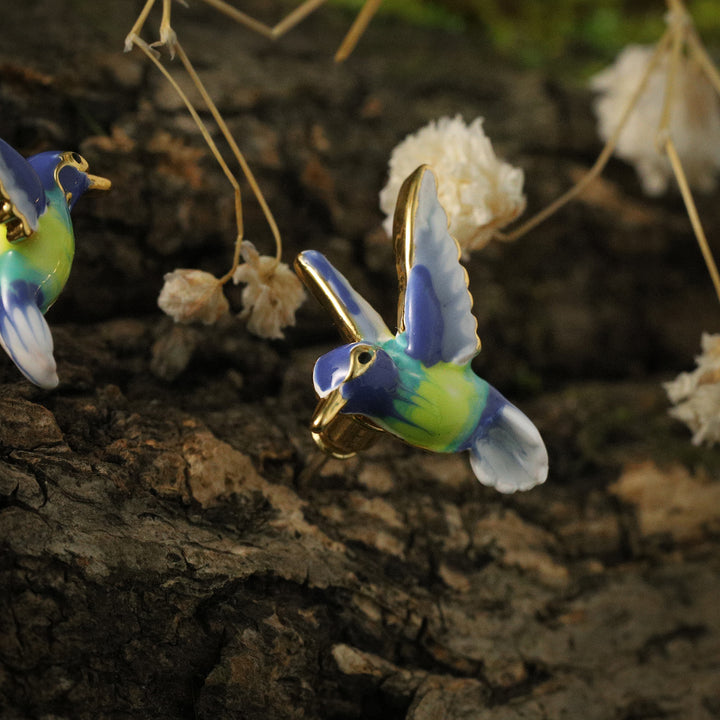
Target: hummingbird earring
(37, 245)
(417, 384)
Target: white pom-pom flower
(193, 296)
(272, 295)
(479, 192)
(696, 395)
(694, 123)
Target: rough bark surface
(160, 556)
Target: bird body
(44, 259)
(37, 245)
(418, 383)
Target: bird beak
(98, 183)
(327, 410)
(339, 434)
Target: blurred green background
(546, 33)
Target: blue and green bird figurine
(37, 245)
(417, 384)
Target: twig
(693, 213)
(314, 466)
(241, 17)
(207, 137)
(678, 37)
(357, 29)
(238, 156)
(136, 29)
(604, 156)
(296, 16)
(700, 54)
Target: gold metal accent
(404, 240)
(16, 224)
(341, 435)
(98, 183)
(72, 159)
(320, 289)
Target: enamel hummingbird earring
(37, 245)
(417, 384)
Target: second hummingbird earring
(418, 383)
(37, 245)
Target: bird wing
(507, 451)
(354, 316)
(24, 332)
(435, 306)
(21, 192)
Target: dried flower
(479, 193)
(694, 123)
(272, 295)
(193, 295)
(696, 395)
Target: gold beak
(339, 434)
(327, 410)
(98, 183)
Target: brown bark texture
(161, 555)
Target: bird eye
(365, 357)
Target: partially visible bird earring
(418, 383)
(37, 245)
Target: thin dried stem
(243, 18)
(208, 139)
(314, 466)
(693, 213)
(604, 156)
(138, 25)
(358, 27)
(238, 156)
(678, 38)
(700, 54)
(167, 34)
(296, 16)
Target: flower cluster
(270, 300)
(193, 296)
(696, 395)
(694, 122)
(479, 192)
(272, 295)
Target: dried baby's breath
(479, 192)
(272, 294)
(193, 296)
(696, 395)
(694, 120)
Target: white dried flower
(696, 395)
(193, 296)
(272, 295)
(479, 193)
(694, 124)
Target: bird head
(359, 378)
(67, 171)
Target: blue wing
(435, 307)
(24, 332)
(21, 189)
(355, 317)
(506, 451)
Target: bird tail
(25, 334)
(507, 452)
